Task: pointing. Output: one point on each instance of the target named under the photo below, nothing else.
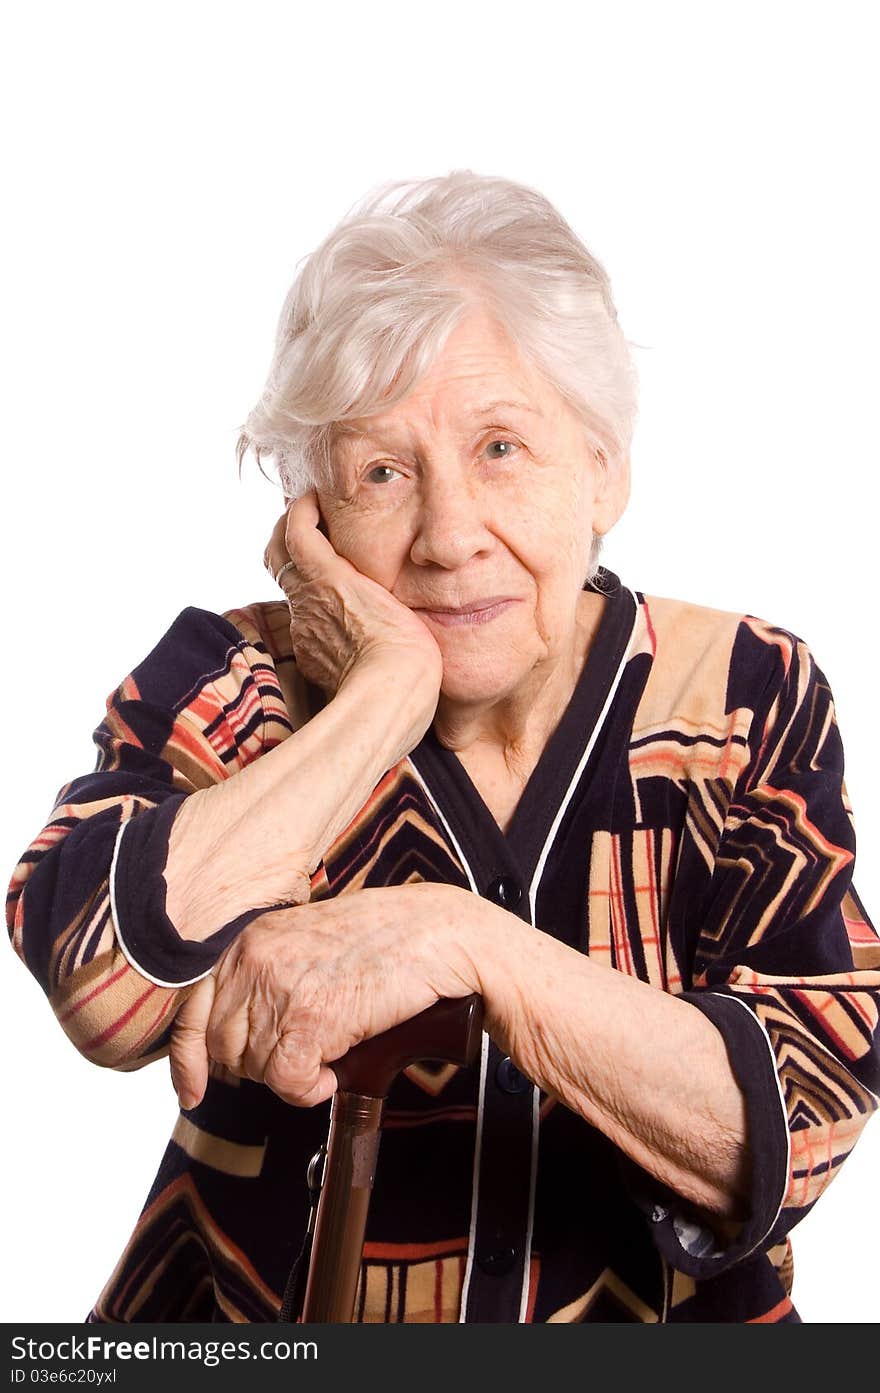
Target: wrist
(210, 877)
(494, 943)
(399, 694)
(421, 671)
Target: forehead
(478, 372)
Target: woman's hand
(341, 620)
(299, 987)
(255, 839)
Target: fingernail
(186, 1100)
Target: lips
(481, 611)
(469, 608)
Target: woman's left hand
(300, 986)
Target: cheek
(373, 547)
(553, 535)
(575, 528)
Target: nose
(450, 526)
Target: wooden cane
(450, 1030)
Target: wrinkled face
(473, 501)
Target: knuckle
(253, 960)
(294, 1062)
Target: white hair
(372, 307)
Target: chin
(467, 685)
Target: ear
(613, 477)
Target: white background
(166, 168)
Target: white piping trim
(475, 1184)
(533, 895)
(763, 1031)
(484, 1065)
(114, 915)
(533, 888)
(533, 1182)
(594, 735)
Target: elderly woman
(462, 757)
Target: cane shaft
(449, 1030)
(341, 1220)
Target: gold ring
(286, 567)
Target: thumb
(189, 1049)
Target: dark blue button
(505, 891)
(497, 1261)
(511, 1079)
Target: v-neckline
(472, 821)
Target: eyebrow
(344, 429)
(516, 405)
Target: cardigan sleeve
(86, 902)
(786, 966)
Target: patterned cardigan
(687, 824)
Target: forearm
(255, 839)
(646, 1068)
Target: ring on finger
(286, 567)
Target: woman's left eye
(509, 448)
(381, 469)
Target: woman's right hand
(299, 987)
(341, 621)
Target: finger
(295, 1071)
(228, 1029)
(263, 1035)
(306, 545)
(276, 552)
(189, 1051)
(324, 1088)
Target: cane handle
(449, 1030)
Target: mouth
(477, 612)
